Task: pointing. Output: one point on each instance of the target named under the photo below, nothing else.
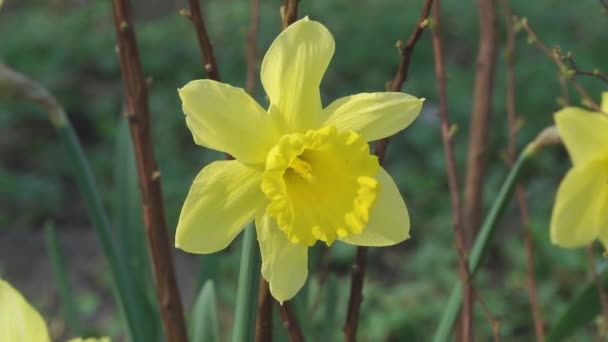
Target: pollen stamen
(303, 169)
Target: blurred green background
(69, 46)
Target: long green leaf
(204, 323)
(15, 84)
(584, 308)
(66, 294)
(129, 229)
(246, 297)
(481, 244)
(126, 211)
(125, 291)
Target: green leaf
(204, 323)
(584, 308)
(66, 294)
(247, 292)
(481, 244)
(125, 291)
(129, 228)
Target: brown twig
(208, 58)
(406, 51)
(149, 176)
(494, 323)
(360, 262)
(520, 190)
(480, 118)
(595, 73)
(263, 324)
(597, 281)
(448, 150)
(294, 332)
(560, 64)
(356, 294)
(252, 62)
(289, 12)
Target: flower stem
(246, 296)
(480, 245)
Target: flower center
(303, 169)
(321, 185)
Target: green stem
(68, 303)
(246, 297)
(481, 244)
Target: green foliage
(70, 49)
(204, 325)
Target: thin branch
(520, 190)
(587, 100)
(595, 73)
(448, 150)
(149, 176)
(263, 326)
(408, 49)
(597, 281)
(289, 12)
(290, 322)
(480, 118)
(604, 4)
(360, 262)
(252, 62)
(356, 295)
(494, 323)
(208, 58)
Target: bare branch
(149, 176)
(480, 118)
(451, 171)
(263, 326)
(570, 59)
(289, 12)
(252, 62)
(533, 38)
(359, 265)
(520, 190)
(290, 322)
(208, 57)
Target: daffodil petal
(291, 73)
(19, 321)
(577, 215)
(373, 115)
(284, 264)
(584, 133)
(227, 119)
(389, 221)
(224, 197)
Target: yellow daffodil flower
(580, 214)
(303, 172)
(20, 322)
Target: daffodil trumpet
(304, 173)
